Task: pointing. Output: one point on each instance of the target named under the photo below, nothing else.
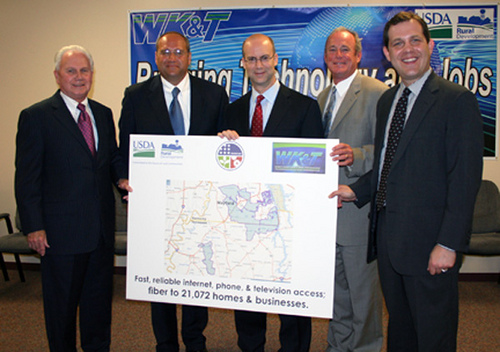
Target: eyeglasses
(263, 59)
(176, 52)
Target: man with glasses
(270, 110)
(173, 103)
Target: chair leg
(4, 268)
(19, 268)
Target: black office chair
(485, 238)
(14, 243)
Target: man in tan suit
(349, 107)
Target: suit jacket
(354, 124)
(60, 187)
(434, 176)
(292, 115)
(144, 110)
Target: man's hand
(38, 241)
(342, 153)
(440, 260)
(123, 184)
(344, 194)
(229, 134)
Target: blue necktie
(327, 118)
(175, 112)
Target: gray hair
(76, 48)
(357, 39)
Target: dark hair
(404, 17)
(179, 34)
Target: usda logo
(229, 156)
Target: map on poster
(243, 224)
(241, 231)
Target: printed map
(241, 231)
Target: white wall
(32, 31)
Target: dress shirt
(72, 106)
(342, 88)
(415, 89)
(184, 98)
(267, 103)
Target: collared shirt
(342, 88)
(415, 89)
(184, 98)
(72, 106)
(267, 103)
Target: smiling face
(74, 75)
(340, 56)
(408, 50)
(259, 60)
(172, 58)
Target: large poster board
(465, 50)
(243, 224)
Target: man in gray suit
(349, 106)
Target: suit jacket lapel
(101, 129)
(278, 112)
(197, 106)
(157, 99)
(63, 116)
(348, 102)
(382, 118)
(425, 100)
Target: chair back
(487, 209)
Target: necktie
(257, 123)
(176, 117)
(327, 118)
(85, 125)
(395, 131)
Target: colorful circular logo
(230, 155)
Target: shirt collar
(72, 104)
(269, 95)
(343, 86)
(183, 85)
(416, 86)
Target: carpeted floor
(22, 326)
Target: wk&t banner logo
(143, 149)
(301, 158)
(230, 156)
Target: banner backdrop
(465, 50)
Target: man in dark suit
(66, 163)
(425, 177)
(349, 114)
(152, 107)
(283, 113)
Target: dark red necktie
(85, 125)
(257, 123)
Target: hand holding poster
(243, 224)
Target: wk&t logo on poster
(299, 157)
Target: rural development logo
(230, 156)
(143, 149)
(171, 149)
(299, 157)
(454, 24)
